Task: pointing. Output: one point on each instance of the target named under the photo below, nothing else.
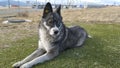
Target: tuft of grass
(101, 51)
(23, 14)
(19, 50)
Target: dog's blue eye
(58, 24)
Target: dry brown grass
(105, 15)
(13, 32)
(23, 14)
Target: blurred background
(15, 6)
(19, 20)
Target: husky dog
(54, 37)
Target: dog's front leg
(47, 56)
(35, 54)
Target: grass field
(102, 51)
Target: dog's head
(52, 20)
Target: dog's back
(75, 37)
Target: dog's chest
(44, 40)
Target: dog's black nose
(56, 32)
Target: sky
(76, 1)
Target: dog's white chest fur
(44, 43)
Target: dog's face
(52, 21)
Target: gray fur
(54, 37)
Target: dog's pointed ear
(48, 9)
(58, 10)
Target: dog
(54, 37)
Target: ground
(102, 51)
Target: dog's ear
(48, 9)
(58, 10)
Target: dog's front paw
(17, 64)
(26, 65)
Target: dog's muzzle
(55, 31)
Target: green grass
(102, 51)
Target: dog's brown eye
(50, 21)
